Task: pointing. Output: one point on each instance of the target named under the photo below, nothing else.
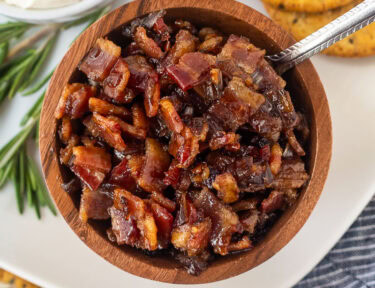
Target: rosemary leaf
(18, 140)
(3, 51)
(41, 191)
(11, 25)
(15, 69)
(29, 192)
(4, 87)
(16, 182)
(40, 84)
(36, 206)
(15, 61)
(22, 169)
(7, 171)
(43, 54)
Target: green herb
(20, 66)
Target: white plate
(50, 254)
(61, 14)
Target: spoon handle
(352, 21)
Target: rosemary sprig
(17, 73)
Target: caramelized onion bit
(170, 115)
(147, 44)
(275, 159)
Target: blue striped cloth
(351, 263)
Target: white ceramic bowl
(61, 14)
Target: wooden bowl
(308, 95)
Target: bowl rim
(113, 253)
(53, 15)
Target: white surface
(50, 254)
(41, 4)
(51, 15)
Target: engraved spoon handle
(352, 21)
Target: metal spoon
(352, 21)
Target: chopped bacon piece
(164, 222)
(273, 202)
(66, 130)
(294, 143)
(172, 176)
(163, 201)
(124, 228)
(292, 175)
(222, 139)
(139, 117)
(74, 100)
(100, 60)
(250, 220)
(237, 105)
(185, 43)
(156, 163)
(239, 90)
(239, 58)
(186, 212)
(226, 186)
(140, 71)
(104, 108)
(136, 207)
(275, 159)
(170, 115)
(247, 204)
(94, 205)
(93, 158)
(184, 147)
(67, 152)
(116, 82)
(266, 125)
(92, 178)
(121, 176)
(152, 97)
(192, 238)
(133, 49)
(147, 44)
(107, 129)
(243, 244)
(191, 69)
(135, 165)
(144, 79)
(129, 129)
(224, 221)
(162, 29)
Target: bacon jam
(182, 140)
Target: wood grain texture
(306, 89)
